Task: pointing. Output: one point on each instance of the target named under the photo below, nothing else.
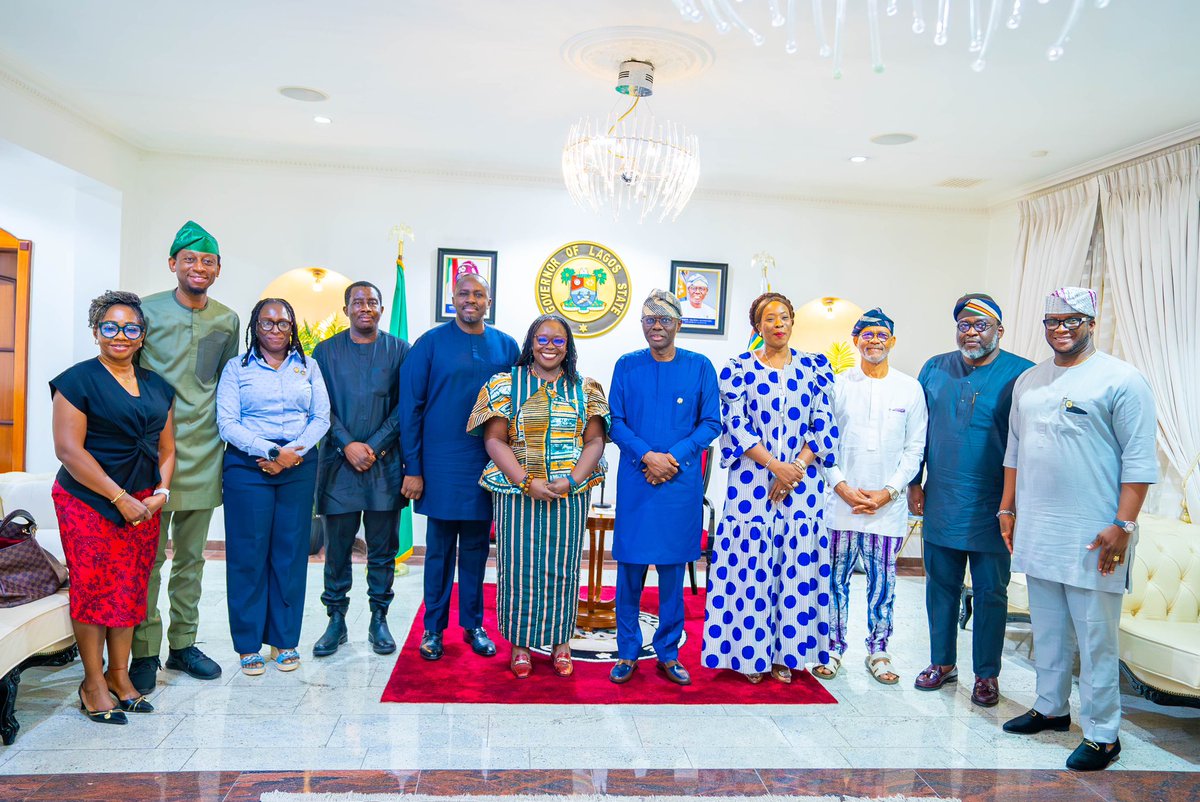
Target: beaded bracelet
(574, 485)
(526, 483)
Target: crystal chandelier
(632, 162)
(980, 26)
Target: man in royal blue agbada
(665, 412)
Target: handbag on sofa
(27, 571)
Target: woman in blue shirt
(272, 408)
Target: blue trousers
(631, 578)
(267, 525)
(945, 569)
(469, 542)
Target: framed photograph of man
(700, 288)
(455, 262)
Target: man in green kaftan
(189, 338)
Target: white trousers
(1063, 617)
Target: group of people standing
(999, 457)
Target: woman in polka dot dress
(768, 587)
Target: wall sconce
(828, 302)
(318, 275)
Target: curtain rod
(1112, 168)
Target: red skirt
(109, 563)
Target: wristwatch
(273, 453)
(893, 492)
(162, 491)
(1130, 527)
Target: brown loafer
(934, 677)
(986, 692)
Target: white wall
(74, 223)
(269, 220)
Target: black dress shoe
(481, 644)
(431, 646)
(143, 673)
(138, 705)
(380, 637)
(1092, 756)
(335, 635)
(111, 716)
(192, 662)
(1033, 722)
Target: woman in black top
(114, 434)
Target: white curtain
(1151, 215)
(1052, 250)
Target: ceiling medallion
(980, 26)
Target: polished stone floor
(326, 717)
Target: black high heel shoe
(113, 716)
(138, 705)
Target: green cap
(193, 237)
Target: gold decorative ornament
(587, 284)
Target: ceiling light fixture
(303, 94)
(318, 275)
(893, 139)
(319, 120)
(859, 159)
(980, 27)
(631, 161)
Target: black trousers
(383, 540)
(448, 542)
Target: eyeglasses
(1070, 324)
(979, 325)
(666, 321)
(132, 331)
(882, 336)
(559, 342)
(281, 326)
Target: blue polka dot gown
(768, 587)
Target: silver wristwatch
(1130, 527)
(893, 492)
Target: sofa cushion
(1165, 654)
(40, 626)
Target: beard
(875, 359)
(983, 350)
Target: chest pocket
(894, 421)
(683, 412)
(208, 355)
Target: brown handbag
(27, 571)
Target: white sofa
(1160, 619)
(38, 633)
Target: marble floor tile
(738, 757)
(561, 728)
(249, 731)
(981, 785)
(204, 786)
(274, 758)
(53, 761)
(1136, 786)
(228, 699)
(887, 755)
(867, 783)
(250, 786)
(352, 701)
(678, 782)
(1049, 756)
(70, 730)
(805, 732)
(603, 756)
(930, 731)
(366, 731)
(761, 732)
(436, 757)
(515, 782)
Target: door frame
(24, 250)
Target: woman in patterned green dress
(544, 427)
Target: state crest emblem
(587, 284)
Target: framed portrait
(700, 288)
(454, 262)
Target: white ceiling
(481, 86)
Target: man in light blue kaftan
(1081, 456)
(665, 412)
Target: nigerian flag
(399, 328)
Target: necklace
(127, 379)
(762, 357)
(537, 371)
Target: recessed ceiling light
(859, 159)
(303, 93)
(1038, 154)
(893, 139)
(319, 120)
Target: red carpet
(462, 676)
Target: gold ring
(1117, 559)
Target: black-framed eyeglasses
(110, 328)
(1070, 323)
(543, 340)
(281, 326)
(666, 321)
(979, 325)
